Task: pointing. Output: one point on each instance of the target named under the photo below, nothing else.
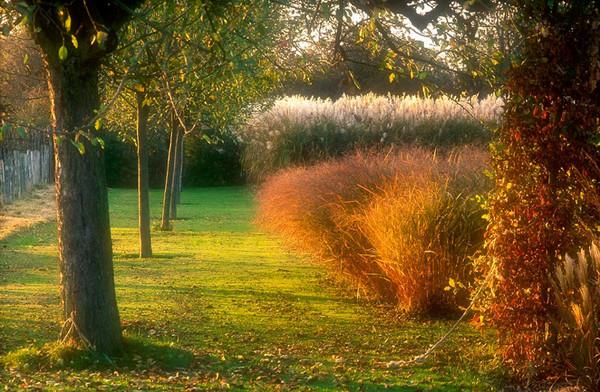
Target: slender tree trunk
(84, 242)
(167, 195)
(180, 170)
(143, 182)
(181, 161)
(176, 173)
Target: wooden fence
(26, 160)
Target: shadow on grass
(41, 233)
(137, 353)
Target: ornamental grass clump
(424, 226)
(304, 131)
(310, 207)
(576, 287)
(400, 225)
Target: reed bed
(302, 131)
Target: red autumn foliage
(539, 209)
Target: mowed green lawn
(228, 307)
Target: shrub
(302, 131)
(121, 160)
(379, 220)
(205, 164)
(576, 286)
(213, 163)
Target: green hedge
(205, 164)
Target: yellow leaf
(101, 36)
(139, 87)
(98, 124)
(392, 77)
(451, 282)
(74, 41)
(68, 23)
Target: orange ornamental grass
(399, 225)
(310, 208)
(424, 226)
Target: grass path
(248, 315)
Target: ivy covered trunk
(84, 242)
(539, 210)
(143, 178)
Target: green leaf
(6, 127)
(207, 139)
(26, 59)
(79, 146)
(74, 41)
(25, 20)
(101, 142)
(63, 53)
(21, 132)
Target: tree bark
(165, 223)
(176, 173)
(180, 170)
(143, 181)
(84, 241)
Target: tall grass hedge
(401, 225)
(303, 131)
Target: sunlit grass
(252, 315)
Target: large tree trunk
(176, 173)
(143, 182)
(84, 242)
(167, 194)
